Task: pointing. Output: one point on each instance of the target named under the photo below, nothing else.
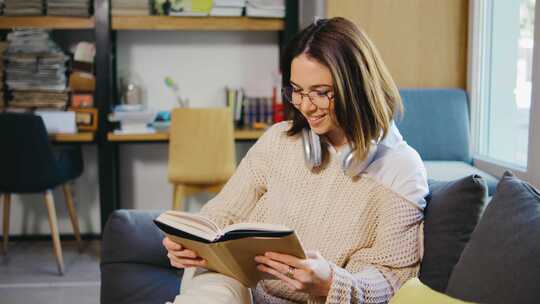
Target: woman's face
(310, 76)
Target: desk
(81, 137)
(239, 134)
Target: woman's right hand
(181, 257)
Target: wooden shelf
(196, 23)
(77, 137)
(49, 22)
(162, 136)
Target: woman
(357, 206)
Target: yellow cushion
(415, 292)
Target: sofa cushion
(436, 123)
(452, 170)
(414, 292)
(452, 212)
(130, 236)
(127, 283)
(134, 263)
(501, 262)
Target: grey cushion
(452, 170)
(501, 262)
(452, 212)
(134, 264)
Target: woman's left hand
(312, 275)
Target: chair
(28, 164)
(201, 151)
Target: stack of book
(228, 8)
(265, 8)
(35, 76)
(71, 8)
(130, 8)
(133, 119)
(3, 47)
(23, 7)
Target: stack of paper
(3, 47)
(228, 8)
(266, 8)
(23, 8)
(133, 119)
(130, 8)
(75, 8)
(35, 74)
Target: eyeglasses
(319, 98)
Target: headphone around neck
(349, 164)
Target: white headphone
(350, 166)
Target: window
(502, 69)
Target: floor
(28, 273)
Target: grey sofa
(134, 265)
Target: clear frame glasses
(320, 98)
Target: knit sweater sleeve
(373, 274)
(249, 182)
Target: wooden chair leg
(72, 213)
(7, 204)
(49, 201)
(178, 197)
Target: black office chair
(28, 164)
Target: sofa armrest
(130, 236)
(134, 263)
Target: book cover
(230, 251)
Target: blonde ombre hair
(366, 99)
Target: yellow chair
(201, 151)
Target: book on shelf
(231, 250)
(265, 8)
(226, 11)
(230, 3)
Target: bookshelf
(49, 22)
(196, 23)
(239, 134)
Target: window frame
(479, 27)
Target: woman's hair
(366, 98)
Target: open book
(230, 251)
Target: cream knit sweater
(368, 232)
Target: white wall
(203, 63)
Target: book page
(190, 223)
(256, 227)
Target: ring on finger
(290, 272)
